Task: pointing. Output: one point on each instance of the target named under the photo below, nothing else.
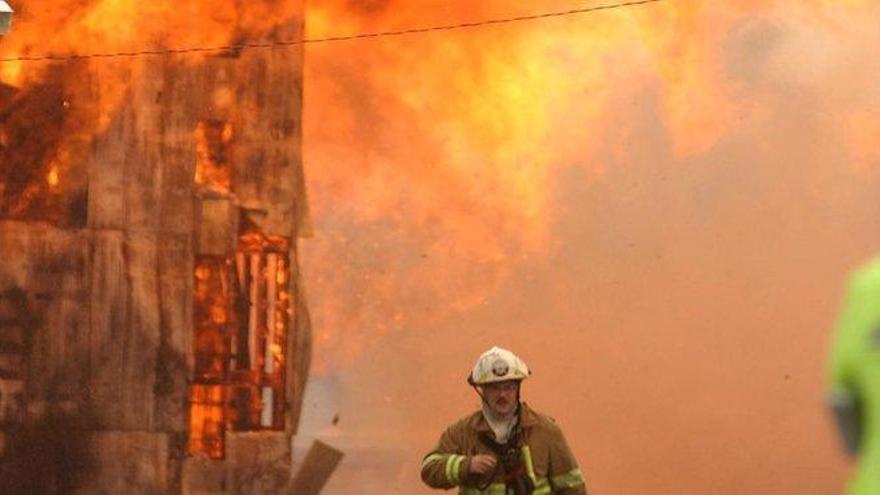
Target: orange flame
(213, 140)
(433, 160)
(86, 94)
(241, 312)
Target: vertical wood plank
(142, 340)
(174, 352)
(69, 325)
(109, 301)
(106, 161)
(173, 121)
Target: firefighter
(855, 377)
(505, 448)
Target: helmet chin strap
(482, 397)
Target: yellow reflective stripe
(453, 468)
(456, 470)
(449, 461)
(493, 489)
(527, 461)
(570, 479)
(431, 458)
(543, 489)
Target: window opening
(242, 306)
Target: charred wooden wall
(96, 320)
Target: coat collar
(528, 418)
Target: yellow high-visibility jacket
(545, 455)
(855, 372)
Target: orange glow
(242, 314)
(44, 140)
(439, 168)
(459, 157)
(254, 240)
(72, 102)
(213, 304)
(450, 140)
(206, 422)
(52, 176)
(451, 143)
(213, 149)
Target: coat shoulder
(465, 423)
(542, 421)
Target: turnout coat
(545, 455)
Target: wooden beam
(319, 463)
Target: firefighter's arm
(565, 476)
(850, 339)
(446, 466)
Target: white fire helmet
(498, 365)
(5, 17)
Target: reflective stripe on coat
(545, 455)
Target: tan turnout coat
(545, 454)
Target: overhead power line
(312, 41)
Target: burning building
(153, 332)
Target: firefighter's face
(502, 396)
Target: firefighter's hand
(482, 464)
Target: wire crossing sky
(285, 43)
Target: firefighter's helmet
(5, 17)
(498, 365)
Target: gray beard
(501, 425)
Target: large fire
(434, 159)
(437, 166)
(37, 179)
(431, 158)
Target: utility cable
(313, 41)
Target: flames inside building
(153, 332)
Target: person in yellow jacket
(505, 448)
(854, 376)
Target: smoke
(703, 194)
(655, 206)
